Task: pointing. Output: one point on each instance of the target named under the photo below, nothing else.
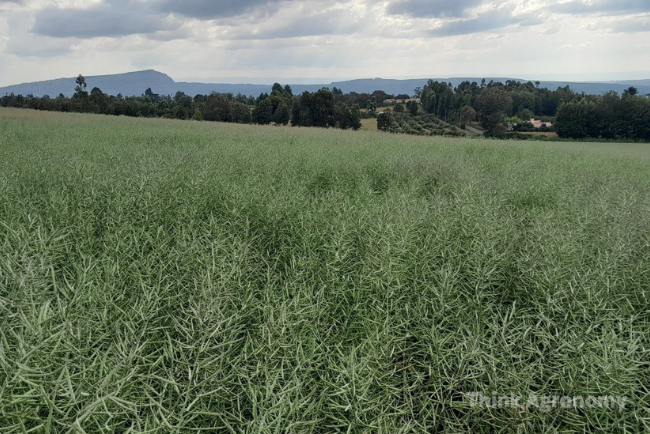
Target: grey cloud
(432, 8)
(172, 35)
(21, 43)
(602, 6)
(99, 21)
(488, 21)
(329, 23)
(211, 9)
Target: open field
(369, 124)
(168, 276)
(545, 134)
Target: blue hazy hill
(135, 83)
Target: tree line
(610, 116)
(324, 108)
(496, 104)
(493, 104)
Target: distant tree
(526, 114)
(152, 96)
(282, 114)
(417, 92)
(296, 113)
(344, 117)
(183, 100)
(494, 104)
(240, 113)
(438, 99)
(372, 106)
(413, 107)
(277, 88)
(314, 109)
(197, 116)
(467, 114)
(218, 108)
(348, 118)
(355, 111)
(180, 112)
(263, 113)
(99, 101)
(380, 96)
(632, 91)
(399, 108)
(322, 108)
(384, 121)
(243, 99)
(80, 89)
(573, 120)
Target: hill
(135, 83)
(130, 83)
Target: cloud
(104, 20)
(432, 8)
(213, 9)
(8, 5)
(632, 26)
(21, 43)
(27, 48)
(491, 20)
(579, 7)
(335, 22)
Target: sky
(318, 41)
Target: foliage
(493, 104)
(282, 114)
(384, 121)
(608, 117)
(263, 113)
(446, 102)
(80, 88)
(413, 107)
(467, 114)
(197, 116)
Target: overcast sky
(316, 41)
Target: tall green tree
(384, 121)
(282, 114)
(263, 113)
(494, 104)
(80, 88)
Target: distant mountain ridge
(135, 83)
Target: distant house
(400, 101)
(540, 124)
